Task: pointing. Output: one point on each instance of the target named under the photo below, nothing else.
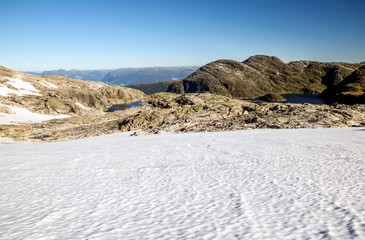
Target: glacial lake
(121, 107)
(299, 98)
(290, 98)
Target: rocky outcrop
(351, 90)
(60, 95)
(208, 112)
(260, 75)
(189, 113)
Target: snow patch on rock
(22, 115)
(81, 106)
(48, 84)
(21, 88)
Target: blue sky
(44, 35)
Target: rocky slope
(60, 95)
(190, 113)
(351, 90)
(209, 112)
(259, 75)
(85, 104)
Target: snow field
(24, 115)
(22, 88)
(254, 184)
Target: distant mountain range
(126, 76)
(92, 75)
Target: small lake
(299, 98)
(121, 107)
(302, 98)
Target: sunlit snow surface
(254, 184)
(22, 115)
(21, 88)
(48, 84)
(81, 106)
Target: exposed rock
(190, 113)
(208, 112)
(86, 102)
(350, 91)
(61, 95)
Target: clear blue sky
(107, 34)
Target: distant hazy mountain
(92, 75)
(128, 76)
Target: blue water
(299, 98)
(121, 107)
(302, 98)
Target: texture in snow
(24, 115)
(48, 84)
(22, 88)
(255, 184)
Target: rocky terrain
(60, 95)
(260, 75)
(190, 113)
(79, 108)
(25, 97)
(209, 112)
(351, 90)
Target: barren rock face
(208, 112)
(60, 95)
(86, 103)
(190, 113)
(351, 90)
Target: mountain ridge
(260, 74)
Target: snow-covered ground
(48, 84)
(254, 184)
(22, 115)
(21, 88)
